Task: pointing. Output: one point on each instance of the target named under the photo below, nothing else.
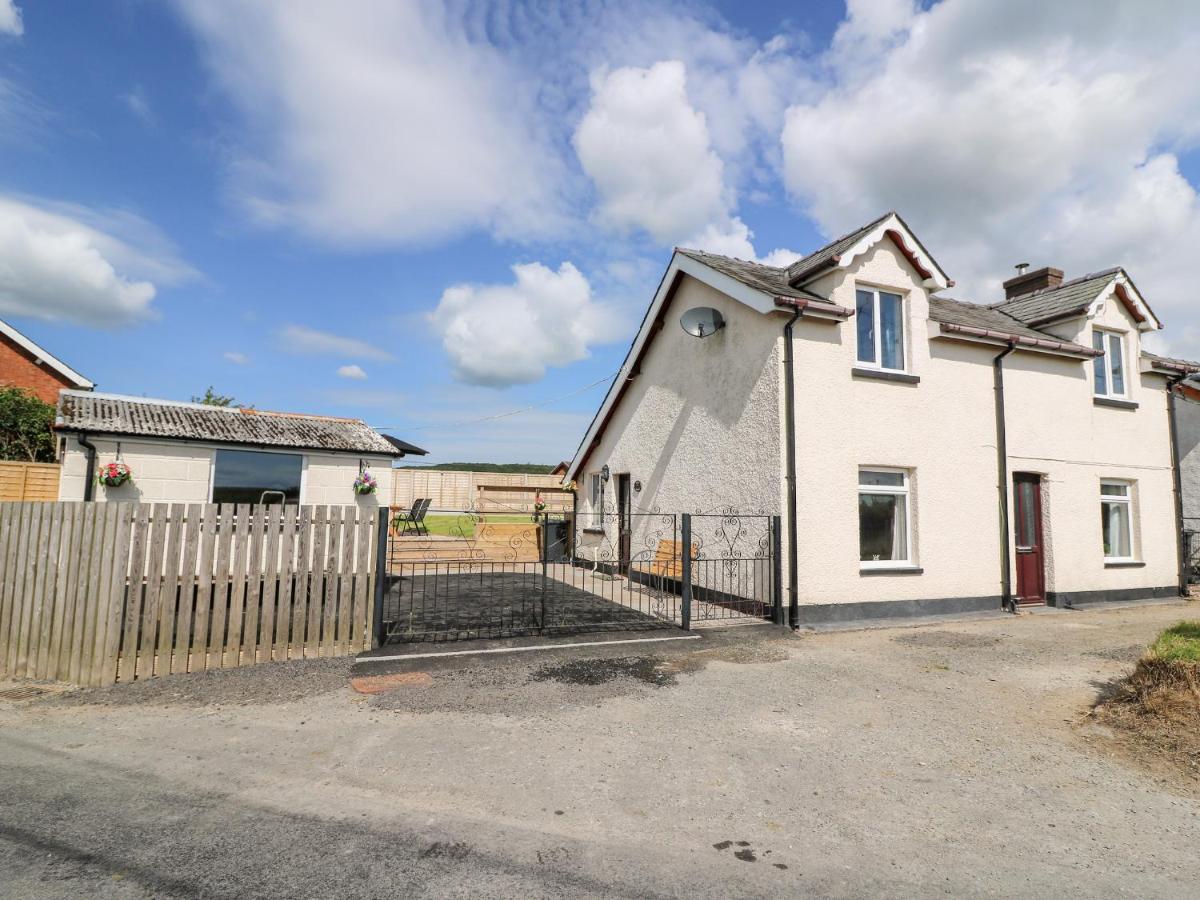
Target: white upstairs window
(1109, 370)
(879, 316)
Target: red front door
(1027, 529)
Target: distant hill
(504, 468)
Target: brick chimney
(1027, 282)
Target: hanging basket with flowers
(114, 474)
(365, 483)
(539, 505)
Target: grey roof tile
(1183, 365)
(827, 255)
(1069, 298)
(770, 279)
(141, 417)
(973, 315)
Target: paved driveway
(946, 760)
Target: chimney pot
(1045, 278)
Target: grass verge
(1157, 706)
(464, 525)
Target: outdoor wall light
(605, 473)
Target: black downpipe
(789, 419)
(89, 479)
(1006, 598)
(1181, 547)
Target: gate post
(776, 571)
(545, 542)
(685, 532)
(381, 569)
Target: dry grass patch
(1156, 708)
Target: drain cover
(22, 693)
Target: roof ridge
(691, 251)
(206, 407)
(852, 231)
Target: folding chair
(411, 519)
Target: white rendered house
(927, 455)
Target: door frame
(624, 524)
(1037, 549)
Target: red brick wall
(17, 367)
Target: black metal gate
(458, 575)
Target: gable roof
(769, 279)
(971, 320)
(66, 372)
(753, 284)
(113, 414)
(1077, 296)
(844, 250)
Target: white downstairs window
(879, 316)
(1109, 370)
(1116, 520)
(884, 519)
(594, 494)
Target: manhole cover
(21, 693)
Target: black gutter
(789, 419)
(1006, 598)
(89, 478)
(1180, 547)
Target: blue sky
(319, 207)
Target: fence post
(776, 570)
(381, 574)
(545, 542)
(685, 532)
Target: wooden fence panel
(27, 481)
(99, 593)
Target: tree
(25, 422)
(213, 399)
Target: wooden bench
(668, 562)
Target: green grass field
(464, 525)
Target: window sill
(880, 375)
(1115, 403)
(1124, 564)
(892, 570)
(592, 530)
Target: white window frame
(905, 490)
(1127, 502)
(595, 491)
(877, 331)
(1110, 339)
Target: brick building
(26, 365)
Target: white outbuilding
(195, 453)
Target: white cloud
(10, 18)
(236, 358)
(649, 154)
(69, 263)
(1005, 133)
(379, 122)
(647, 151)
(139, 105)
(306, 341)
(508, 334)
(352, 371)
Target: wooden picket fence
(95, 593)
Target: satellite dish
(701, 321)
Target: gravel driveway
(953, 759)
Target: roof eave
(994, 336)
(816, 309)
(62, 428)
